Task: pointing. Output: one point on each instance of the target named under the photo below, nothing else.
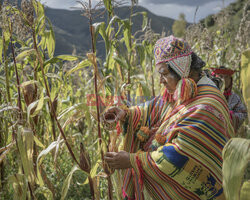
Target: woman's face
(166, 78)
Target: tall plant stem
(130, 54)
(129, 79)
(53, 126)
(152, 79)
(91, 184)
(97, 98)
(7, 81)
(110, 188)
(17, 78)
(48, 94)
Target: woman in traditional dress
(172, 146)
(238, 111)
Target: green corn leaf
(109, 32)
(108, 6)
(24, 54)
(46, 151)
(42, 43)
(20, 186)
(38, 143)
(121, 61)
(110, 62)
(66, 183)
(6, 37)
(52, 61)
(57, 148)
(96, 27)
(52, 75)
(104, 33)
(236, 156)
(25, 146)
(40, 27)
(81, 65)
(30, 107)
(93, 171)
(28, 83)
(69, 109)
(85, 182)
(127, 34)
(68, 57)
(50, 40)
(41, 156)
(40, 16)
(145, 19)
(39, 105)
(50, 43)
(38, 7)
(113, 20)
(7, 108)
(39, 178)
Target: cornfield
(52, 139)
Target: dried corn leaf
(245, 77)
(66, 183)
(25, 143)
(236, 156)
(245, 191)
(20, 186)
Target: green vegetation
(179, 26)
(51, 137)
(234, 13)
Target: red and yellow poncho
(188, 165)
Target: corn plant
(52, 140)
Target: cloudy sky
(167, 8)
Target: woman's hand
(118, 160)
(120, 114)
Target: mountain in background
(72, 29)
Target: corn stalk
(92, 57)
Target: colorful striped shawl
(189, 165)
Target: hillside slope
(72, 29)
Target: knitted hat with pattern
(176, 52)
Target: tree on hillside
(179, 26)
